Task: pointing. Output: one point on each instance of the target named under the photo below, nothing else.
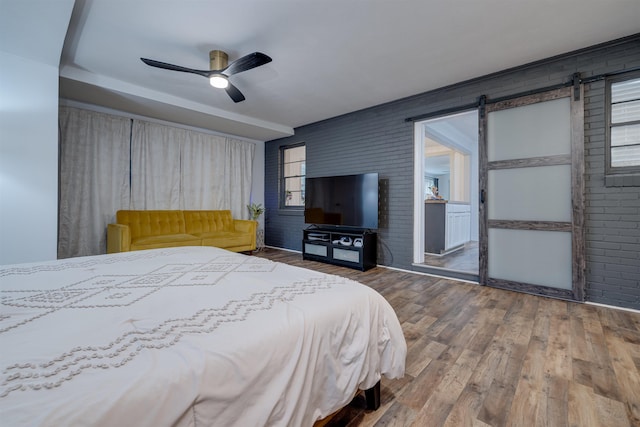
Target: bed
(191, 336)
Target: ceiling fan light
(219, 81)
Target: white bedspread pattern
(187, 336)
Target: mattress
(189, 336)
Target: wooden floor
(479, 356)
(465, 259)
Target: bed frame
(372, 402)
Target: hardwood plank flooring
(479, 356)
(464, 259)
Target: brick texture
(379, 139)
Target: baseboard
(615, 307)
(284, 249)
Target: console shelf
(329, 245)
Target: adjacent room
(308, 214)
(451, 192)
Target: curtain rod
(605, 75)
(487, 101)
(476, 104)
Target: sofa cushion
(153, 229)
(207, 221)
(154, 242)
(225, 239)
(152, 222)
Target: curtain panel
(94, 178)
(155, 166)
(109, 163)
(176, 168)
(238, 176)
(202, 172)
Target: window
(623, 124)
(292, 178)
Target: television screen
(347, 201)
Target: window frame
(616, 170)
(281, 191)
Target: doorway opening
(446, 210)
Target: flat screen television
(342, 201)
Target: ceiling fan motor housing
(218, 60)
(220, 70)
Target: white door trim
(418, 193)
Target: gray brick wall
(612, 213)
(379, 140)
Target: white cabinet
(457, 225)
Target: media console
(348, 248)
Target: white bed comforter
(187, 336)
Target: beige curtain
(155, 166)
(173, 168)
(94, 178)
(109, 163)
(202, 172)
(238, 176)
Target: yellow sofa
(152, 229)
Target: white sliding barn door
(532, 194)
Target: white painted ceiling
(330, 57)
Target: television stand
(336, 246)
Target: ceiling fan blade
(247, 62)
(234, 93)
(172, 67)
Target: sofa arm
(249, 226)
(118, 238)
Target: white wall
(28, 160)
(31, 39)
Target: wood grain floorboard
(479, 357)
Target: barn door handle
(482, 194)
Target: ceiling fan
(220, 71)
